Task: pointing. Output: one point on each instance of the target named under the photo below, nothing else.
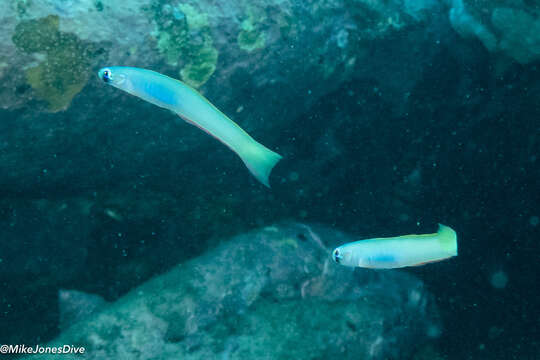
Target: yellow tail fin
(448, 239)
(259, 160)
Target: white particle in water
(534, 220)
(499, 279)
(414, 297)
(433, 331)
(342, 38)
(293, 176)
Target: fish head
(111, 76)
(351, 254)
(343, 256)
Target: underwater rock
(270, 293)
(76, 305)
(263, 63)
(274, 42)
(511, 28)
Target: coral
(184, 38)
(64, 72)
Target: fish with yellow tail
(191, 106)
(399, 251)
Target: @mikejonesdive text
(40, 349)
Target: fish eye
(106, 75)
(337, 256)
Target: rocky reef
(511, 28)
(262, 63)
(269, 43)
(272, 293)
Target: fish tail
(259, 160)
(448, 239)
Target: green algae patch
(65, 71)
(184, 38)
(251, 37)
(58, 94)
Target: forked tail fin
(259, 160)
(448, 239)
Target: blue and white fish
(399, 251)
(191, 106)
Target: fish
(399, 251)
(195, 109)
